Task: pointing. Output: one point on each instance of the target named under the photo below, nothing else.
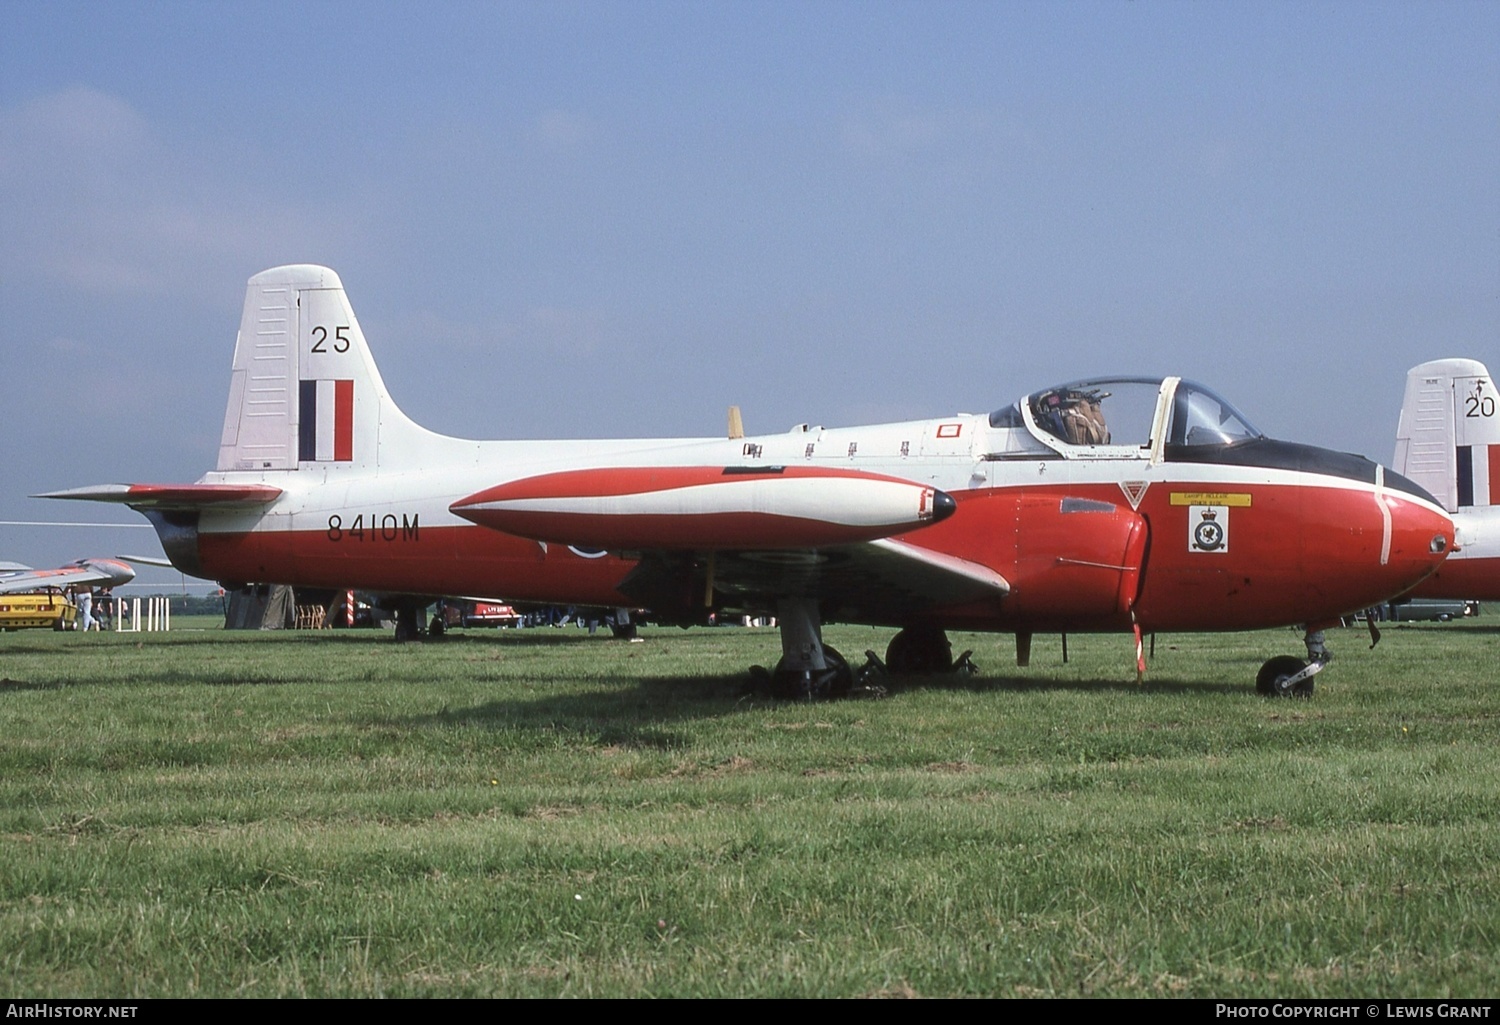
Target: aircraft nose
(1421, 535)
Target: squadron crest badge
(1208, 526)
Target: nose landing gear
(1287, 676)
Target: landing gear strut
(408, 621)
(808, 667)
(1287, 676)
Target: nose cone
(118, 574)
(1358, 548)
(943, 506)
(1421, 536)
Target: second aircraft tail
(1448, 438)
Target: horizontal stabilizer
(706, 507)
(173, 496)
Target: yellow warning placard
(1211, 498)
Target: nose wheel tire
(1274, 678)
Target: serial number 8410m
(376, 528)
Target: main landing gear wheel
(408, 623)
(920, 649)
(796, 684)
(1273, 678)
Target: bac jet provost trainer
(1128, 505)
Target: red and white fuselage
(1055, 513)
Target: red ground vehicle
(484, 613)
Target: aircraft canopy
(1125, 413)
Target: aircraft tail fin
(1448, 438)
(305, 390)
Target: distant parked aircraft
(1448, 441)
(15, 578)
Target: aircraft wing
(884, 580)
(750, 535)
(108, 572)
(173, 496)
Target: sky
(616, 219)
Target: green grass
(540, 813)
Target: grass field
(540, 813)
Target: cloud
(427, 330)
(541, 329)
(886, 133)
(895, 130)
(69, 346)
(563, 129)
(71, 124)
(96, 198)
(578, 332)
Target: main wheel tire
(789, 684)
(842, 681)
(408, 625)
(795, 684)
(920, 649)
(1271, 680)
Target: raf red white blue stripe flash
(325, 430)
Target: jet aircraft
(1122, 504)
(15, 578)
(1448, 441)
